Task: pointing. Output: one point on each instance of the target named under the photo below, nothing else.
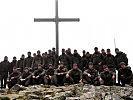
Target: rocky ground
(68, 92)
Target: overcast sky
(100, 22)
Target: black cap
(105, 66)
(96, 48)
(122, 63)
(108, 50)
(90, 63)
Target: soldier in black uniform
(90, 75)
(48, 78)
(38, 75)
(37, 60)
(124, 74)
(25, 77)
(120, 57)
(4, 69)
(20, 63)
(107, 77)
(97, 59)
(60, 74)
(13, 78)
(74, 75)
(28, 60)
(13, 64)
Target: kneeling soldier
(13, 78)
(74, 76)
(90, 76)
(48, 78)
(60, 74)
(107, 77)
(25, 77)
(37, 75)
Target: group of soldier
(71, 68)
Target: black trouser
(25, 82)
(4, 79)
(12, 83)
(87, 80)
(37, 81)
(58, 79)
(48, 81)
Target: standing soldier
(50, 59)
(48, 78)
(63, 58)
(109, 60)
(25, 77)
(84, 62)
(107, 77)
(124, 74)
(70, 56)
(120, 57)
(13, 78)
(74, 75)
(60, 74)
(4, 69)
(13, 64)
(37, 75)
(90, 75)
(44, 57)
(77, 59)
(37, 60)
(21, 63)
(97, 60)
(28, 60)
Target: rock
(73, 98)
(32, 96)
(47, 97)
(17, 88)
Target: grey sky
(101, 22)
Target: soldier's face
(75, 67)
(61, 65)
(26, 70)
(14, 69)
(106, 69)
(123, 66)
(91, 66)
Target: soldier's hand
(12, 78)
(89, 75)
(22, 79)
(80, 81)
(50, 76)
(58, 73)
(67, 76)
(113, 77)
(37, 76)
(62, 73)
(33, 77)
(8, 80)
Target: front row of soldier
(61, 75)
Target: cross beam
(56, 20)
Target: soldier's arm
(43, 73)
(85, 72)
(28, 77)
(16, 77)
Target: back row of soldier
(97, 68)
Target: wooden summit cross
(56, 20)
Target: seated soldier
(107, 77)
(74, 75)
(48, 78)
(25, 77)
(13, 78)
(90, 75)
(124, 74)
(37, 75)
(60, 74)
